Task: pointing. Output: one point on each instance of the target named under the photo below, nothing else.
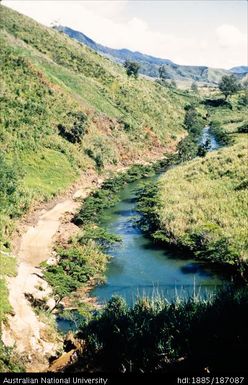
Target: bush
(132, 68)
(244, 128)
(77, 264)
(154, 335)
(193, 121)
(9, 361)
(220, 134)
(107, 195)
(187, 148)
(74, 133)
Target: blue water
(138, 267)
(206, 135)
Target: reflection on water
(140, 268)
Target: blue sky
(204, 32)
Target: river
(138, 267)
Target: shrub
(154, 335)
(244, 128)
(220, 134)
(74, 133)
(193, 121)
(132, 68)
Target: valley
(123, 209)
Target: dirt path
(36, 242)
(25, 330)
(32, 337)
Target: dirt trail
(24, 329)
(36, 242)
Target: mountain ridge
(150, 64)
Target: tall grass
(202, 205)
(155, 335)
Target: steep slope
(203, 206)
(67, 111)
(66, 107)
(149, 64)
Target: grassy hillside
(203, 205)
(65, 109)
(232, 114)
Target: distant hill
(149, 64)
(239, 70)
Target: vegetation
(193, 120)
(194, 87)
(107, 195)
(243, 128)
(132, 68)
(230, 114)
(188, 147)
(163, 73)
(201, 205)
(77, 264)
(156, 336)
(220, 134)
(65, 107)
(9, 361)
(229, 85)
(8, 268)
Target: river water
(138, 267)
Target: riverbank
(201, 206)
(36, 341)
(204, 337)
(33, 339)
(81, 261)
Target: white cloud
(230, 36)
(104, 22)
(105, 8)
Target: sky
(199, 32)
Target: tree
(173, 84)
(229, 85)
(245, 84)
(163, 73)
(193, 121)
(187, 148)
(132, 68)
(194, 87)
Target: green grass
(10, 362)
(203, 205)
(8, 268)
(46, 80)
(232, 115)
(47, 172)
(81, 263)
